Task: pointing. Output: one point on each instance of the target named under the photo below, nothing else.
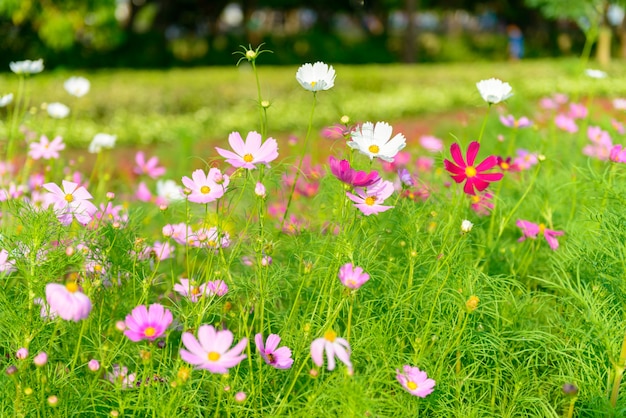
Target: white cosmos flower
(102, 141)
(316, 77)
(595, 73)
(77, 86)
(169, 190)
(27, 66)
(374, 141)
(6, 99)
(466, 226)
(494, 91)
(57, 110)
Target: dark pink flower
(346, 174)
(474, 176)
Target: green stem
(482, 128)
(83, 326)
(619, 372)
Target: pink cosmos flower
(180, 232)
(431, 143)
(45, 148)
(333, 346)
(346, 174)
(415, 381)
(510, 121)
(401, 160)
(69, 202)
(525, 159)
(370, 200)
(67, 302)
(162, 250)
(617, 154)
(6, 265)
(618, 126)
(565, 123)
(530, 230)
(147, 323)
(482, 203)
(577, 111)
(352, 277)
(474, 176)
(335, 132)
(278, 358)
(211, 350)
(194, 292)
(119, 375)
(601, 143)
(206, 188)
(150, 168)
(250, 152)
(259, 190)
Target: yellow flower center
(374, 149)
(248, 158)
(271, 357)
(313, 83)
(504, 165)
(475, 199)
(69, 197)
(470, 171)
(370, 200)
(542, 227)
(205, 189)
(71, 287)
(149, 332)
(411, 385)
(213, 356)
(195, 291)
(330, 336)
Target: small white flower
(27, 66)
(316, 77)
(595, 73)
(169, 190)
(102, 141)
(77, 86)
(494, 91)
(374, 141)
(466, 226)
(58, 110)
(6, 99)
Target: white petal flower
(58, 110)
(494, 91)
(102, 141)
(169, 190)
(27, 66)
(595, 73)
(316, 77)
(466, 226)
(374, 141)
(77, 86)
(6, 99)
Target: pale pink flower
(149, 168)
(181, 232)
(431, 143)
(565, 123)
(510, 121)
(69, 202)
(45, 148)
(415, 381)
(204, 187)
(619, 104)
(143, 193)
(530, 230)
(67, 301)
(618, 154)
(525, 159)
(352, 277)
(120, 376)
(40, 359)
(147, 323)
(333, 346)
(577, 111)
(259, 190)
(482, 203)
(194, 292)
(93, 365)
(162, 250)
(251, 152)
(211, 351)
(22, 353)
(618, 126)
(6, 265)
(370, 200)
(279, 358)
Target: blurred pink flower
(147, 323)
(431, 143)
(67, 301)
(415, 381)
(525, 159)
(278, 358)
(250, 152)
(346, 174)
(45, 148)
(72, 201)
(530, 230)
(618, 154)
(577, 111)
(120, 376)
(211, 350)
(6, 265)
(162, 250)
(565, 123)
(352, 277)
(482, 203)
(150, 168)
(510, 121)
(333, 346)
(369, 201)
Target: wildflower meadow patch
(363, 271)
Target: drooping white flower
(77, 86)
(494, 91)
(316, 77)
(6, 99)
(27, 66)
(100, 141)
(57, 110)
(375, 141)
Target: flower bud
(41, 359)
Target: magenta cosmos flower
(352, 277)
(206, 188)
(147, 323)
(333, 346)
(474, 176)
(415, 381)
(250, 152)
(46, 149)
(346, 174)
(71, 201)
(211, 350)
(370, 200)
(150, 168)
(67, 301)
(279, 358)
(530, 230)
